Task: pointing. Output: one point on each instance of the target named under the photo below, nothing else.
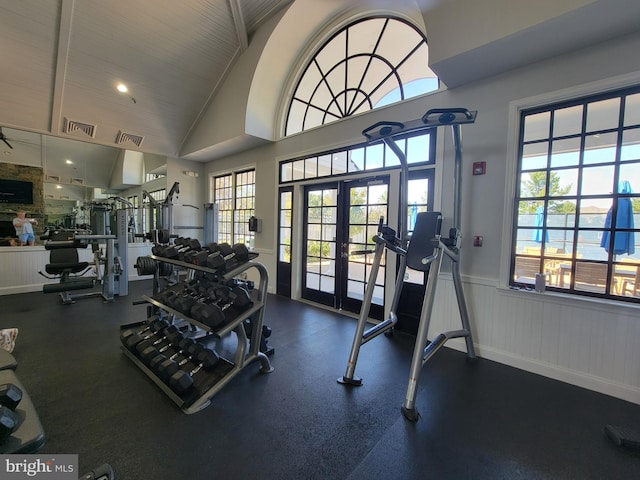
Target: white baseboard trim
(572, 377)
(37, 287)
(21, 289)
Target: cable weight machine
(422, 251)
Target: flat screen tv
(16, 191)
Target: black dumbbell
(168, 251)
(151, 322)
(158, 356)
(9, 422)
(154, 341)
(163, 250)
(130, 338)
(175, 294)
(181, 381)
(10, 395)
(149, 352)
(210, 315)
(184, 301)
(241, 298)
(181, 246)
(169, 366)
(158, 250)
(211, 293)
(218, 259)
(198, 256)
(214, 314)
(237, 297)
(162, 295)
(210, 312)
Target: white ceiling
(60, 60)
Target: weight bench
(65, 264)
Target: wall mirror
(74, 171)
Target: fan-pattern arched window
(369, 63)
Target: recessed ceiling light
(68, 162)
(122, 88)
(58, 186)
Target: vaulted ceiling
(60, 62)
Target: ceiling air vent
(73, 127)
(124, 137)
(77, 181)
(52, 178)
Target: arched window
(369, 63)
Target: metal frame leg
(408, 407)
(349, 378)
(464, 314)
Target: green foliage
(562, 207)
(536, 186)
(316, 248)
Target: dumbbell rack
(244, 355)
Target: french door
(340, 220)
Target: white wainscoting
(584, 342)
(19, 266)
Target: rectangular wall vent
(73, 127)
(124, 137)
(52, 178)
(77, 181)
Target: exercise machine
(210, 222)
(162, 212)
(109, 265)
(423, 251)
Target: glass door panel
(283, 279)
(321, 219)
(335, 226)
(366, 204)
(420, 199)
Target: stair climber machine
(422, 251)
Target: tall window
(577, 214)
(234, 193)
(223, 197)
(286, 225)
(367, 64)
(245, 207)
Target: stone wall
(35, 175)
